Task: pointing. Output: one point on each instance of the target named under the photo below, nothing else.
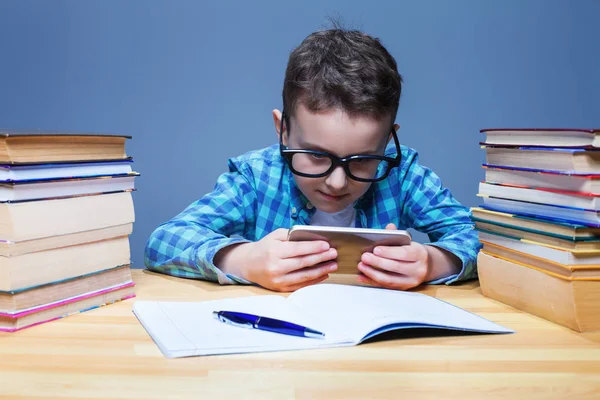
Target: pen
(251, 321)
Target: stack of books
(66, 213)
(539, 223)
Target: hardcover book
(551, 137)
(44, 146)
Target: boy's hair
(342, 69)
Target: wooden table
(106, 354)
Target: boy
(338, 163)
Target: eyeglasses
(317, 164)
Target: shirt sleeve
(186, 245)
(430, 208)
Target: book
(551, 137)
(11, 249)
(563, 230)
(348, 315)
(570, 248)
(562, 160)
(66, 213)
(33, 269)
(538, 237)
(64, 187)
(571, 303)
(558, 198)
(11, 322)
(534, 249)
(46, 146)
(38, 171)
(568, 272)
(584, 183)
(16, 301)
(545, 211)
(45, 218)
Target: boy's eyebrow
(312, 146)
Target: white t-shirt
(344, 218)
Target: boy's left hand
(404, 267)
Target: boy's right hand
(278, 264)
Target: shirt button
(293, 210)
(309, 206)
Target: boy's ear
(277, 115)
(396, 128)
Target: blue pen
(251, 321)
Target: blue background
(195, 82)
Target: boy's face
(336, 133)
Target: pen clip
(239, 322)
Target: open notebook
(347, 315)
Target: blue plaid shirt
(259, 195)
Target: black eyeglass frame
(336, 161)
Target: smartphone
(350, 243)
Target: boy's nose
(337, 180)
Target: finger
(362, 278)
(386, 264)
(289, 265)
(413, 269)
(279, 234)
(388, 279)
(295, 249)
(400, 253)
(391, 226)
(306, 274)
(307, 283)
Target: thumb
(279, 234)
(391, 226)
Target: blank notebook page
(360, 310)
(185, 326)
